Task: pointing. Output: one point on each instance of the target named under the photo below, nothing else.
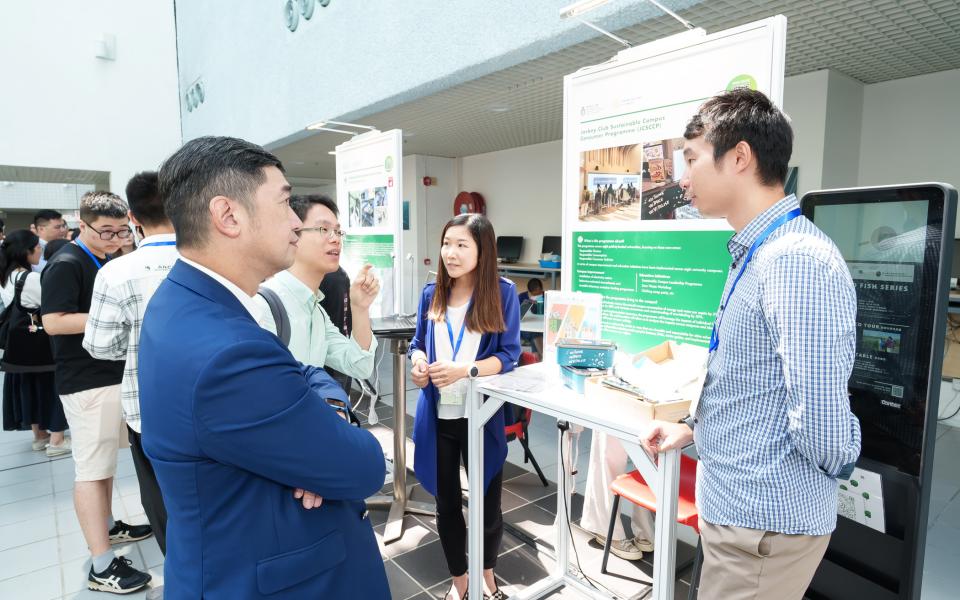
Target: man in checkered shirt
(773, 427)
(121, 292)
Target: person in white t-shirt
(30, 399)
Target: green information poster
(656, 285)
(376, 249)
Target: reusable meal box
(584, 353)
(575, 377)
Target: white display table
(617, 419)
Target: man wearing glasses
(314, 339)
(90, 388)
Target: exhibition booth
(633, 279)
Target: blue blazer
(231, 426)
(505, 346)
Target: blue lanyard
(174, 243)
(793, 214)
(456, 348)
(90, 254)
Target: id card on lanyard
(454, 394)
(715, 334)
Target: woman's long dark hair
(486, 311)
(15, 251)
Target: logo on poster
(388, 164)
(742, 81)
(389, 181)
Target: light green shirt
(314, 340)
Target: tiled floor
(43, 555)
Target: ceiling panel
(870, 41)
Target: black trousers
(451, 449)
(150, 496)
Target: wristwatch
(473, 371)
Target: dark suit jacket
(231, 426)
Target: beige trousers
(750, 564)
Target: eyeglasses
(332, 234)
(109, 235)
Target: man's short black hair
(143, 196)
(302, 204)
(94, 205)
(204, 168)
(44, 216)
(534, 285)
(745, 115)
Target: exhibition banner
(368, 196)
(629, 232)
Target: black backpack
(26, 345)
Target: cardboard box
(664, 354)
(638, 407)
(951, 350)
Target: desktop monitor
(509, 248)
(551, 245)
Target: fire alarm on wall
(428, 181)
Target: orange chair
(518, 430)
(633, 488)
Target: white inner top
(467, 354)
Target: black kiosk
(897, 242)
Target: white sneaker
(64, 448)
(39, 445)
(631, 549)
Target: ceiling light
(579, 8)
(499, 108)
(322, 125)
(316, 127)
(332, 152)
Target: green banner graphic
(374, 249)
(656, 285)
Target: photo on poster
(634, 182)
(874, 340)
(368, 207)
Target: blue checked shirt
(774, 426)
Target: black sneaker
(123, 533)
(118, 578)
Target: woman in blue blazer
(468, 325)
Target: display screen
(509, 248)
(891, 241)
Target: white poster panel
(628, 231)
(369, 198)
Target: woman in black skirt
(30, 399)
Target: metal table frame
(399, 502)
(564, 404)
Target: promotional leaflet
(368, 196)
(630, 234)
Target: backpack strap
(18, 288)
(280, 318)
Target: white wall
(64, 108)
(522, 188)
(430, 209)
(910, 130)
(805, 101)
(842, 131)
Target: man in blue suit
(231, 423)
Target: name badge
(453, 395)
